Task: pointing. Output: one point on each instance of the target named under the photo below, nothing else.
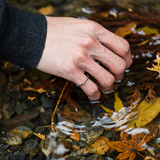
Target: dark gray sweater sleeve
(22, 36)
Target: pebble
(19, 108)
(12, 138)
(33, 152)
(47, 103)
(8, 109)
(30, 144)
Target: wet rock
(12, 138)
(19, 108)
(33, 152)
(7, 125)
(15, 148)
(22, 156)
(8, 109)
(48, 145)
(62, 149)
(30, 144)
(47, 103)
(45, 117)
(3, 147)
(3, 79)
(28, 124)
(31, 104)
(17, 153)
(91, 133)
(25, 132)
(6, 157)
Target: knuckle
(110, 81)
(87, 41)
(125, 47)
(121, 66)
(93, 90)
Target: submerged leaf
(126, 30)
(147, 31)
(99, 146)
(146, 112)
(117, 103)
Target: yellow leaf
(146, 30)
(117, 103)
(106, 109)
(41, 90)
(99, 146)
(146, 112)
(31, 98)
(126, 30)
(27, 81)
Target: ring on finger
(83, 82)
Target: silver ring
(83, 82)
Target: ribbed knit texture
(22, 36)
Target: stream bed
(122, 124)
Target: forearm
(22, 36)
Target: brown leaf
(126, 30)
(99, 146)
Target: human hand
(72, 46)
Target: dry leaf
(149, 158)
(99, 146)
(75, 135)
(117, 103)
(126, 30)
(155, 67)
(129, 147)
(31, 98)
(49, 10)
(27, 81)
(146, 112)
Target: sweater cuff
(24, 38)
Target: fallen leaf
(147, 30)
(126, 30)
(49, 10)
(155, 67)
(146, 112)
(118, 105)
(98, 146)
(75, 135)
(129, 147)
(31, 98)
(149, 158)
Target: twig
(52, 119)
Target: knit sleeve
(22, 36)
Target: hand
(72, 46)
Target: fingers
(111, 41)
(116, 44)
(88, 86)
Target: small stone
(8, 109)
(17, 153)
(48, 145)
(30, 144)
(12, 138)
(19, 108)
(3, 147)
(47, 103)
(33, 152)
(49, 10)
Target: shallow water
(92, 120)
